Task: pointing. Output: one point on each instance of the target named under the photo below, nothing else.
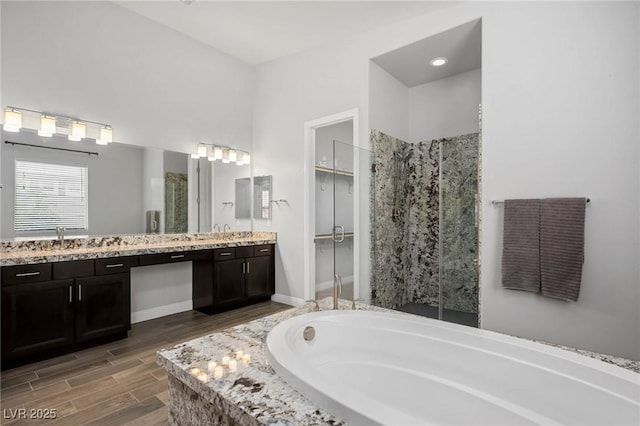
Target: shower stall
(426, 229)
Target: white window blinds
(50, 195)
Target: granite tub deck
(254, 394)
(43, 251)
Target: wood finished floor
(117, 383)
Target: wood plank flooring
(114, 384)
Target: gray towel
(561, 246)
(521, 245)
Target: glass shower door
(352, 219)
(343, 192)
(459, 230)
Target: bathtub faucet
(337, 289)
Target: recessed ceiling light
(438, 62)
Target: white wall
(558, 120)
(445, 108)
(160, 290)
(158, 88)
(175, 162)
(114, 182)
(388, 103)
(561, 119)
(99, 61)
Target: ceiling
(411, 64)
(260, 31)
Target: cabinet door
(228, 281)
(259, 272)
(102, 306)
(36, 317)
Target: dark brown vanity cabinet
(260, 273)
(36, 317)
(238, 276)
(58, 307)
(68, 306)
(102, 306)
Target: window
(50, 195)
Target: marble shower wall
(421, 227)
(406, 243)
(389, 264)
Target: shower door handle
(335, 236)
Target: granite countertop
(42, 251)
(255, 394)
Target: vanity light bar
(224, 153)
(46, 125)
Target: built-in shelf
(321, 237)
(333, 172)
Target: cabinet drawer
(115, 265)
(72, 269)
(224, 253)
(184, 256)
(21, 274)
(263, 250)
(246, 251)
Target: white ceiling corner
(411, 64)
(260, 31)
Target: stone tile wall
(406, 231)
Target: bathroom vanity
(57, 300)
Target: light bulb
(12, 120)
(202, 150)
(438, 62)
(225, 156)
(78, 131)
(47, 126)
(233, 155)
(106, 135)
(246, 158)
(217, 153)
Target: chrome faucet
(60, 230)
(353, 304)
(337, 289)
(216, 227)
(226, 227)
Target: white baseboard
(161, 311)
(329, 284)
(287, 300)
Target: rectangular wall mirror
(262, 197)
(243, 198)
